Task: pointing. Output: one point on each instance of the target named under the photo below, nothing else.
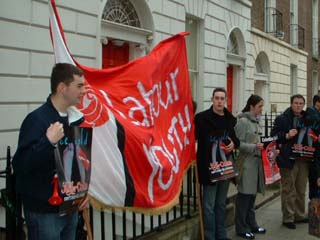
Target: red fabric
(271, 170)
(163, 71)
(151, 98)
(229, 87)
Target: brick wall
(305, 20)
(284, 7)
(257, 13)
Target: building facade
(286, 35)
(106, 33)
(245, 46)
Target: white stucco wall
(26, 55)
(281, 55)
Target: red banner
(142, 119)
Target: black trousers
(314, 190)
(245, 218)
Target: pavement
(269, 216)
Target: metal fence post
(266, 125)
(10, 218)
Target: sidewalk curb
(267, 199)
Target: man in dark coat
(313, 119)
(34, 161)
(294, 173)
(216, 139)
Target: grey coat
(251, 178)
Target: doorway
(115, 53)
(229, 87)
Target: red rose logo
(93, 106)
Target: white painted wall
(26, 55)
(281, 55)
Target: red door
(114, 55)
(229, 87)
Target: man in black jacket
(214, 131)
(313, 117)
(294, 173)
(34, 161)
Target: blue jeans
(214, 205)
(51, 226)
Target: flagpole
(199, 201)
(87, 222)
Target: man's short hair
(297, 96)
(316, 98)
(219, 89)
(63, 72)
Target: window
(261, 77)
(233, 45)
(121, 11)
(192, 42)
(273, 19)
(293, 79)
(294, 28)
(315, 83)
(315, 39)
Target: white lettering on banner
(185, 128)
(108, 100)
(174, 83)
(149, 96)
(156, 165)
(153, 152)
(138, 107)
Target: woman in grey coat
(249, 162)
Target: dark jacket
(313, 119)
(206, 128)
(33, 162)
(282, 125)
(249, 163)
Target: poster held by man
(73, 162)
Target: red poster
(269, 154)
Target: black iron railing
(120, 224)
(12, 204)
(267, 122)
(274, 21)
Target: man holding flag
(34, 161)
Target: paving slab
(269, 216)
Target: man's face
(218, 101)
(297, 105)
(74, 92)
